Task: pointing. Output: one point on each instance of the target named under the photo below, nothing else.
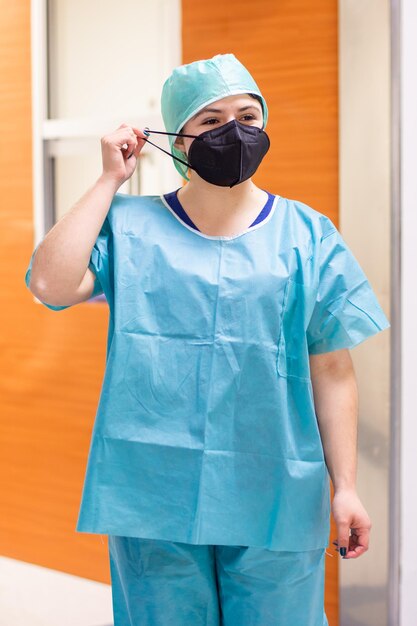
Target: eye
(211, 119)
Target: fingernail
(343, 552)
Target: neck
(205, 197)
(221, 210)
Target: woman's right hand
(120, 163)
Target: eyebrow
(214, 110)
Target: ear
(179, 144)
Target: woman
(229, 392)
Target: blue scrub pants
(164, 583)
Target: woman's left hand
(350, 515)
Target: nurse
(229, 395)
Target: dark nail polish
(343, 552)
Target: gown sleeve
(98, 264)
(346, 311)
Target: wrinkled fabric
(159, 583)
(193, 86)
(206, 431)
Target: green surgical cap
(193, 86)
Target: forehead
(235, 102)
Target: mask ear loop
(159, 132)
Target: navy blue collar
(172, 200)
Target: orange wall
(290, 47)
(52, 363)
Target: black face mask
(224, 156)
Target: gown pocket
(293, 357)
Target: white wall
(107, 64)
(408, 173)
(365, 194)
(378, 170)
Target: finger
(139, 133)
(126, 129)
(140, 141)
(358, 543)
(130, 143)
(355, 552)
(129, 149)
(343, 531)
(360, 537)
(137, 150)
(126, 141)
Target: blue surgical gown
(206, 430)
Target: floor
(30, 594)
